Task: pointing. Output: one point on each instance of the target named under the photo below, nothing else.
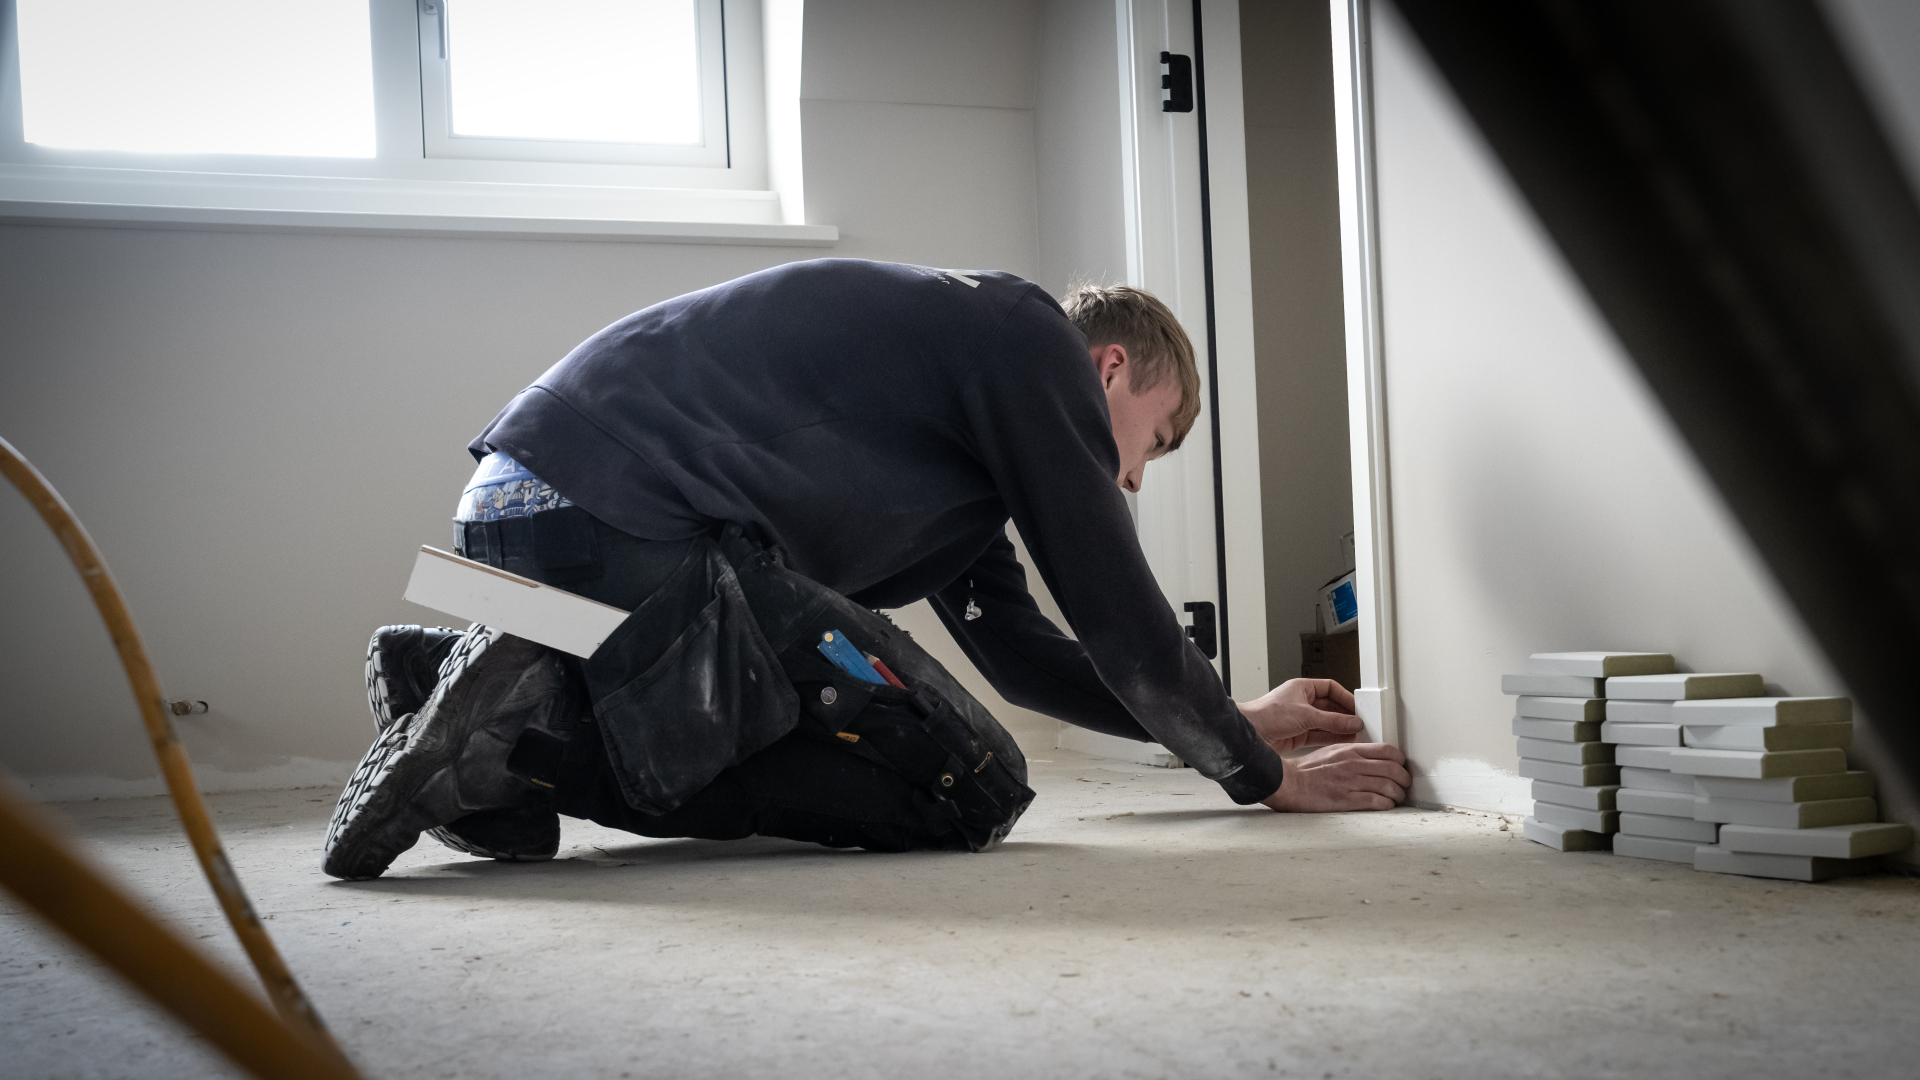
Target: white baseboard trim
(1466, 784)
(1081, 740)
(295, 773)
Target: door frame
(1377, 700)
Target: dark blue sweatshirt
(881, 423)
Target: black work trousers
(715, 717)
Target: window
(574, 110)
(132, 75)
(575, 80)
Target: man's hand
(1304, 712)
(1356, 776)
(1347, 775)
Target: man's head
(1146, 365)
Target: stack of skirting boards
(1656, 802)
(1709, 772)
(1559, 710)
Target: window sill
(43, 195)
(346, 223)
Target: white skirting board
(1081, 740)
(1466, 784)
(298, 772)
(521, 606)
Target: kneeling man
(753, 470)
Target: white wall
(1541, 498)
(258, 428)
(918, 121)
(1300, 352)
(1083, 235)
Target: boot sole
(386, 675)
(403, 760)
(389, 698)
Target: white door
(1199, 509)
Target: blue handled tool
(835, 647)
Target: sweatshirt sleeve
(992, 614)
(1039, 420)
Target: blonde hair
(1157, 347)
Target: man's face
(1142, 423)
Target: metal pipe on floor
(286, 995)
(36, 866)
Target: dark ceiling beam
(1715, 177)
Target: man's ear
(1109, 363)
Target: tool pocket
(968, 789)
(709, 694)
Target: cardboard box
(1331, 656)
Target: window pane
(198, 76)
(575, 70)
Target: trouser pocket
(709, 691)
(933, 733)
(794, 611)
(964, 785)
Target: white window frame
(404, 188)
(436, 107)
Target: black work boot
(403, 667)
(404, 664)
(449, 760)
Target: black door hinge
(1202, 631)
(1177, 82)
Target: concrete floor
(1136, 925)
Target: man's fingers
(1323, 694)
(1366, 800)
(1384, 751)
(1327, 738)
(1337, 722)
(1392, 770)
(1380, 785)
(1340, 695)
